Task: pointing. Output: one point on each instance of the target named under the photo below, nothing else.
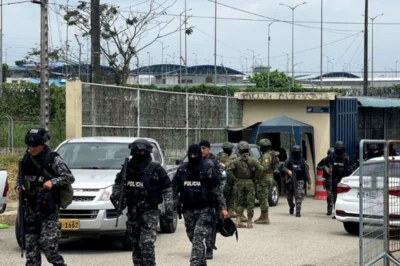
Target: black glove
(114, 200)
(169, 216)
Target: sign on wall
(317, 110)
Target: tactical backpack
(66, 191)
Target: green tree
(20, 63)
(277, 79)
(124, 32)
(5, 72)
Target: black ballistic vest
(299, 169)
(196, 190)
(144, 187)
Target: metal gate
(379, 206)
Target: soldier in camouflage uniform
(245, 170)
(296, 171)
(224, 157)
(270, 162)
(147, 185)
(200, 188)
(44, 172)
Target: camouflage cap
(227, 145)
(243, 145)
(264, 142)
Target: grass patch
(10, 163)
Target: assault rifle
(21, 208)
(121, 192)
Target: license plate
(69, 224)
(369, 194)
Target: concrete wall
(263, 107)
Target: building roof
(172, 69)
(379, 102)
(329, 75)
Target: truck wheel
(168, 227)
(126, 242)
(273, 197)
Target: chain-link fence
(174, 119)
(12, 134)
(379, 205)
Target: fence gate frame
(386, 255)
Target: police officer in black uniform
(374, 152)
(341, 167)
(323, 166)
(147, 184)
(297, 173)
(44, 173)
(200, 188)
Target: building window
(209, 80)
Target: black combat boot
(291, 210)
(298, 214)
(209, 254)
(329, 213)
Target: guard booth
(283, 132)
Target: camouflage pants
(212, 233)
(230, 194)
(42, 234)
(331, 197)
(265, 187)
(198, 223)
(142, 229)
(297, 194)
(245, 196)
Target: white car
(3, 190)
(348, 199)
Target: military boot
(250, 222)
(239, 222)
(263, 219)
(209, 254)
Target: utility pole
(322, 17)
(215, 45)
(365, 87)
(149, 69)
(372, 48)
(80, 54)
(1, 43)
(269, 42)
(67, 48)
(95, 36)
(396, 67)
(253, 59)
(293, 8)
(186, 89)
(44, 66)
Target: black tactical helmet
(296, 148)
(330, 151)
(339, 145)
(141, 144)
(36, 136)
(227, 228)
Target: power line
(14, 3)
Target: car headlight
(106, 194)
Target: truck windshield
(94, 155)
(214, 150)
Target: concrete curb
(8, 217)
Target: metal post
(186, 77)
(293, 48)
(67, 47)
(138, 112)
(269, 42)
(44, 67)
(215, 43)
(322, 16)
(9, 136)
(365, 87)
(137, 69)
(396, 67)
(372, 51)
(1, 43)
(162, 61)
(80, 54)
(149, 69)
(12, 134)
(180, 48)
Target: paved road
(313, 239)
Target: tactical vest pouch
(244, 170)
(46, 203)
(66, 191)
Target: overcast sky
(343, 42)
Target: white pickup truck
(94, 162)
(3, 190)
